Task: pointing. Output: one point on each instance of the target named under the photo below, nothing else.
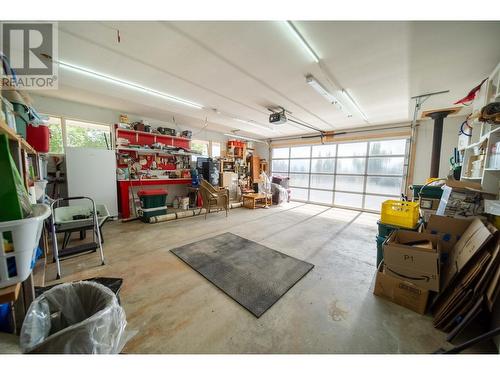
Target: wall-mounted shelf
(11, 134)
(483, 135)
(152, 134)
(154, 151)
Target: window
(201, 147)
(72, 133)
(56, 145)
(215, 149)
(87, 134)
(357, 175)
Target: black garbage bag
(75, 318)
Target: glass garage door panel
(349, 200)
(351, 166)
(299, 180)
(323, 165)
(392, 147)
(299, 194)
(358, 175)
(386, 166)
(324, 151)
(319, 181)
(280, 166)
(384, 185)
(352, 149)
(300, 152)
(374, 202)
(299, 165)
(281, 153)
(349, 183)
(321, 196)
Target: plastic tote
(18, 244)
(75, 318)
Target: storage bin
(380, 249)
(18, 245)
(38, 137)
(433, 192)
(153, 203)
(400, 213)
(22, 118)
(384, 230)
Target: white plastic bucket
(25, 235)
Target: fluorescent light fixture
(320, 89)
(128, 84)
(354, 105)
(302, 41)
(244, 138)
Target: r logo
(23, 44)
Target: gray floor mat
(253, 275)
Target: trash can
(74, 318)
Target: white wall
(451, 128)
(85, 112)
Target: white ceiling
(242, 68)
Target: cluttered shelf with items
(148, 156)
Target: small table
(254, 200)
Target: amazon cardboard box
(414, 257)
(401, 292)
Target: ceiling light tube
(354, 104)
(302, 41)
(128, 84)
(244, 138)
(320, 89)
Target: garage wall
(424, 147)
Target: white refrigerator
(91, 172)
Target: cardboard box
(227, 179)
(448, 229)
(405, 258)
(462, 199)
(471, 241)
(401, 292)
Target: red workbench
(124, 185)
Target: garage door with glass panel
(357, 175)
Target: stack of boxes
(417, 264)
(395, 215)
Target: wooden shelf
(11, 134)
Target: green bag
(14, 199)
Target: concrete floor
(331, 310)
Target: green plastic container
(22, 118)
(14, 199)
(432, 192)
(385, 230)
(153, 203)
(380, 249)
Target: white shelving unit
(478, 162)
